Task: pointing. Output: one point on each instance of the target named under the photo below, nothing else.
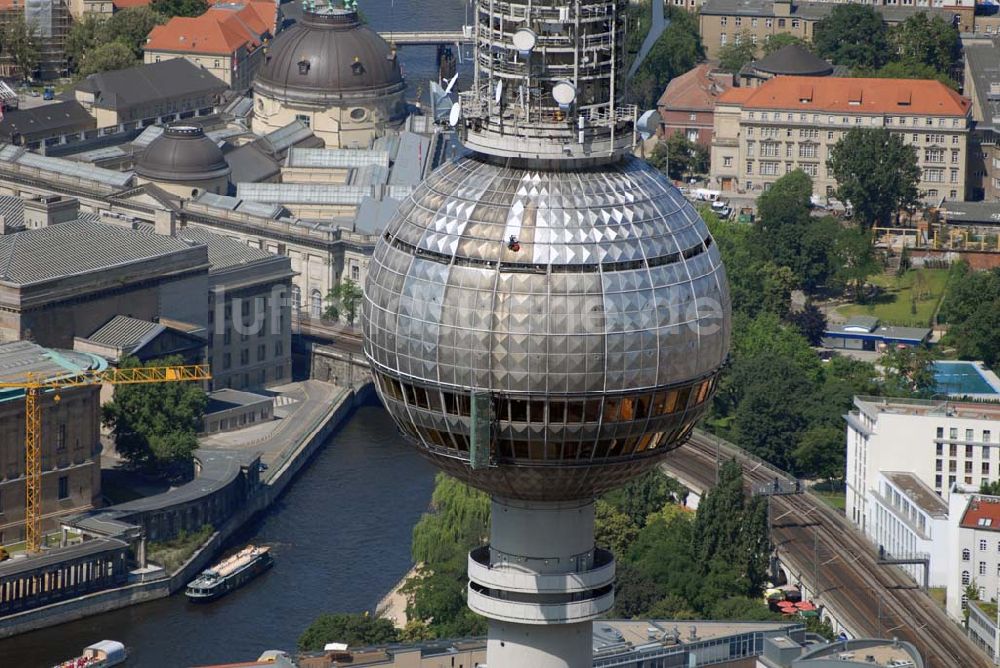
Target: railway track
(821, 545)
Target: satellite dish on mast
(564, 93)
(524, 41)
(455, 115)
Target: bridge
(837, 566)
(465, 35)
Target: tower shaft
(540, 582)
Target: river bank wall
(292, 461)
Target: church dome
(327, 57)
(183, 154)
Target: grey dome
(598, 340)
(326, 57)
(183, 154)
(793, 60)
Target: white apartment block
(909, 519)
(973, 548)
(940, 443)
(792, 123)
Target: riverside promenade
(306, 414)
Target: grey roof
(288, 136)
(252, 163)
(334, 158)
(221, 400)
(984, 67)
(223, 252)
(19, 358)
(239, 107)
(373, 215)
(326, 55)
(369, 175)
(793, 60)
(273, 211)
(60, 554)
(126, 332)
(12, 210)
(411, 156)
(917, 490)
(151, 83)
(50, 118)
(147, 136)
(77, 247)
(982, 213)
(71, 168)
(98, 154)
(303, 193)
(866, 322)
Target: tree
(810, 323)
(922, 40)
(978, 336)
(172, 8)
(820, 452)
(854, 248)
(155, 425)
(901, 70)
(343, 299)
(85, 34)
(677, 50)
(645, 495)
(675, 156)
(780, 40)
(354, 629)
(106, 57)
(990, 488)
(909, 372)
(613, 529)
(734, 55)
(876, 172)
(852, 35)
(131, 26)
(20, 42)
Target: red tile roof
(221, 30)
(696, 89)
(127, 4)
(841, 94)
(982, 513)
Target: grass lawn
(894, 307)
(172, 554)
(939, 595)
(833, 499)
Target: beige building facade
(791, 123)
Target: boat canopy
(112, 649)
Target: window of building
(940, 447)
(724, 21)
(952, 466)
(982, 544)
(737, 21)
(966, 554)
(968, 467)
(727, 161)
(768, 23)
(753, 23)
(279, 348)
(61, 439)
(985, 468)
(227, 360)
(951, 481)
(749, 166)
(63, 487)
(795, 23)
(768, 168)
(262, 376)
(982, 568)
(244, 357)
(216, 64)
(261, 352)
(937, 481)
(986, 438)
(968, 448)
(723, 40)
(810, 169)
(938, 465)
(952, 194)
(966, 577)
(304, 118)
(769, 150)
(954, 139)
(316, 304)
(808, 150)
(781, 23)
(953, 434)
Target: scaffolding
(51, 21)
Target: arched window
(965, 577)
(296, 298)
(316, 304)
(966, 554)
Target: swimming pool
(965, 379)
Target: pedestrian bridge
(465, 35)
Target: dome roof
(183, 154)
(327, 56)
(611, 291)
(793, 60)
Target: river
(340, 536)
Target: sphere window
(358, 114)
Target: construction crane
(33, 387)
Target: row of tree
(971, 308)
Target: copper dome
(183, 154)
(329, 56)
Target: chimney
(165, 222)
(48, 210)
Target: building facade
(227, 40)
(71, 443)
(973, 549)
(982, 84)
(942, 443)
(688, 103)
(790, 123)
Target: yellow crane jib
(33, 386)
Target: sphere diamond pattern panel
(591, 305)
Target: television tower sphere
(545, 317)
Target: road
(821, 544)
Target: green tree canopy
(922, 40)
(677, 50)
(132, 25)
(343, 299)
(171, 8)
(780, 40)
(678, 156)
(852, 35)
(356, 630)
(155, 425)
(876, 171)
(19, 41)
(83, 35)
(105, 57)
(734, 55)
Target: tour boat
(99, 655)
(229, 574)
